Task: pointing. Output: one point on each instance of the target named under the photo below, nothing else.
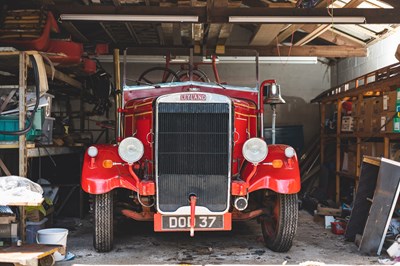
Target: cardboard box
(374, 149)
(394, 151)
(377, 104)
(367, 107)
(349, 164)
(37, 215)
(387, 122)
(347, 124)
(398, 96)
(364, 124)
(354, 111)
(389, 101)
(7, 219)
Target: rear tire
(103, 222)
(280, 229)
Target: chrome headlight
(255, 150)
(92, 151)
(131, 150)
(289, 152)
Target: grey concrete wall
(380, 55)
(299, 84)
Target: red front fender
(285, 180)
(98, 180)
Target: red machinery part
(193, 200)
(102, 48)
(65, 52)
(89, 66)
(40, 44)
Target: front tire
(279, 229)
(103, 222)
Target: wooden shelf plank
(28, 254)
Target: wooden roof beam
(323, 28)
(132, 32)
(108, 32)
(333, 37)
(288, 32)
(75, 33)
(346, 36)
(314, 34)
(266, 34)
(307, 50)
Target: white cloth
(16, 189)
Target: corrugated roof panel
(380, 4)
(352, 30)
(377, 28)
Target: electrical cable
(30, 119)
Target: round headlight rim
(289, 152)
(261, 158)
(122, 145)
(91, 150)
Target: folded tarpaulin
(17, 189)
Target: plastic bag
(17, 189)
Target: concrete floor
(136, 243)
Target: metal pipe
(191, 65)
(273, 107)
(260, 100)
(118, 96)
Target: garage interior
(337, 65)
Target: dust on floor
(136, 243)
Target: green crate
(10, 123)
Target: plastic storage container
(11, 122)
(32, 228)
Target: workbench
(30, 254)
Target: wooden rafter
(132, 32)
(333, 37)
(312, 35)
(176, 34)
(323, 28)
(288, 32)
(167, 30)
(76, 34)
(108, 32)
(266, 34)
(345, 35)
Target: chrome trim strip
(211, 98)
(189, 83)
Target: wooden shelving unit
(18, 64)
(370, 85)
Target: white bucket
(53, 236)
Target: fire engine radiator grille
(193, 155)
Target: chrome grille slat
(193, 154)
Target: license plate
(202, 222)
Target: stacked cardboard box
(8, 229)
(363, 114)
(390, 121)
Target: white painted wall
(380, 55)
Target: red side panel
(98, 180)
(285, 180)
